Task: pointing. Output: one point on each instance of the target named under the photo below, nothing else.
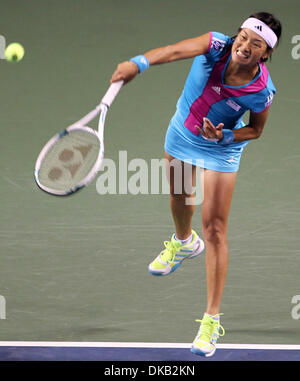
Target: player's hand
(209, 131)
(125, 71)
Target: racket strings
(69, 160)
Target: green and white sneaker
(208, 334)
(174, 254)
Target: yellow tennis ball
(14, 52)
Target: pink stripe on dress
(210, 41)
(215, 92)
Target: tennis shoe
(174, 254)
(208, 334)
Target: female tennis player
(228, 77)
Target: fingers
(125, 71)
(117, 76)
(207, 123)
(199, 129)
(208, 127)
(209, 131)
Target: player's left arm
(255, 127)
(253, 130)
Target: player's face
(248, 48)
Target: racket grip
(111, 93)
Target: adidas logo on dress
(217, 89)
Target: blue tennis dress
(206, 95)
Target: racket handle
(107, 100)
(111, 93)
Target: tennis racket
(71, 159)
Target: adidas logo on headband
(262, 29)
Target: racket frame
(102, 108)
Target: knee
(214, 230)
(180, 195)
(181, 198)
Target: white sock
(217, 318)
(185, 241)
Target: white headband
(262, 30)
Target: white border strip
(139, 345)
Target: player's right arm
(181, 50)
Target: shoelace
(170, 251)
(206, 330)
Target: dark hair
(272, 22)
(269, 20)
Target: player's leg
(185, 243)
(218, 191)
(181, 178)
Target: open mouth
(242, 55)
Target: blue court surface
(105, 351)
